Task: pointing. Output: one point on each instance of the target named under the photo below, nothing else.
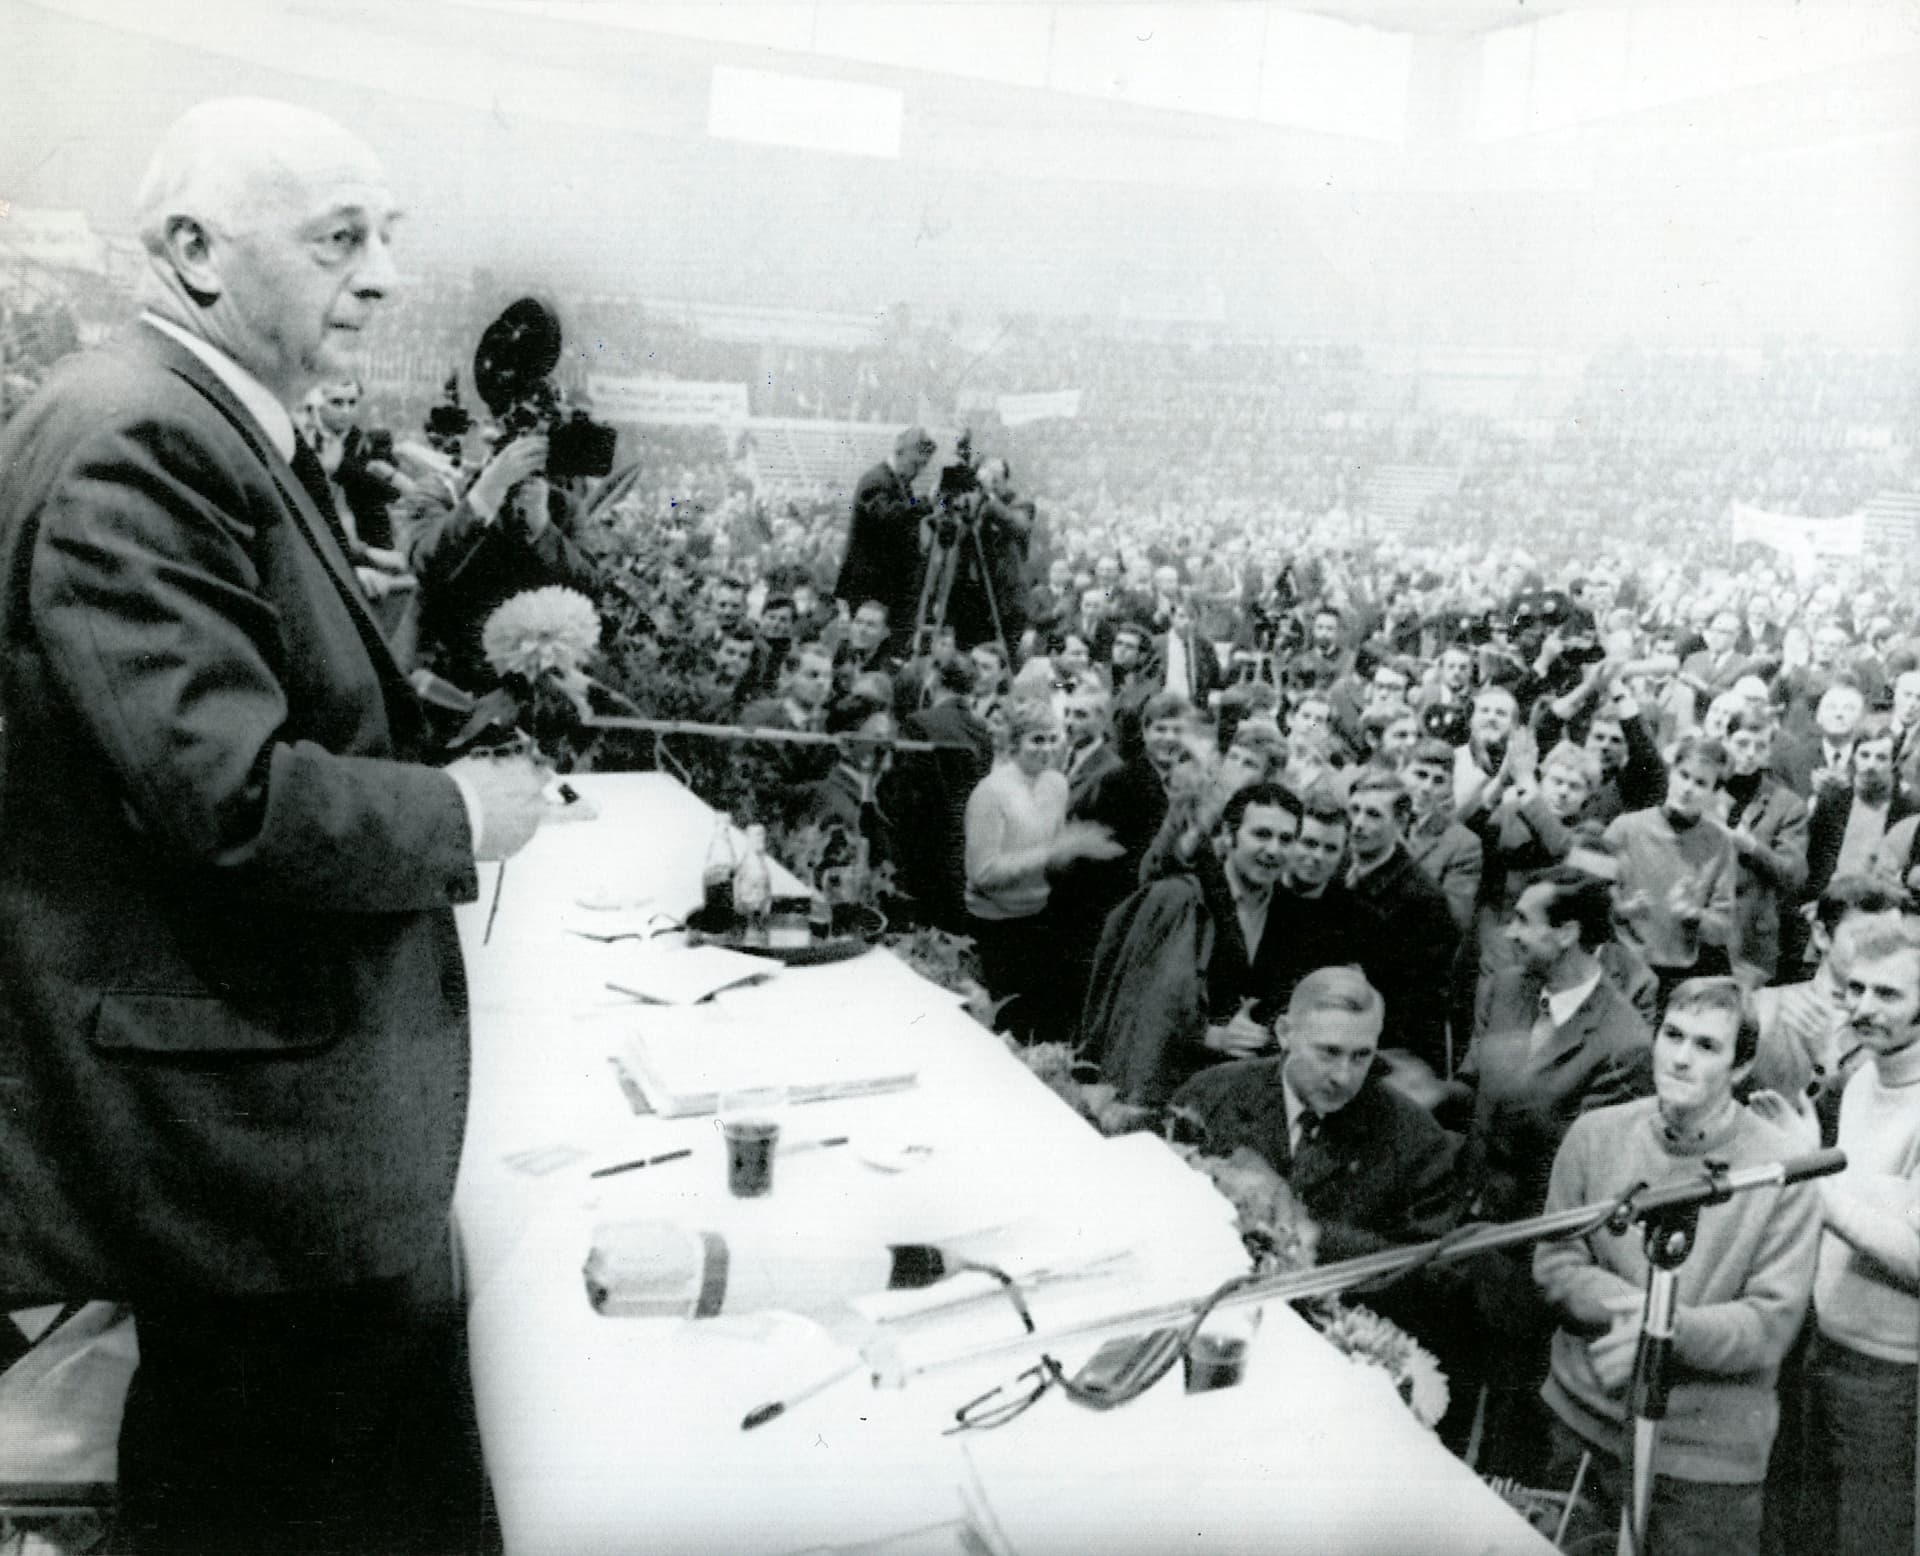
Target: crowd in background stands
(1601, 810)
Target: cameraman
(1003, 523)
(500, 539)
(884, 560)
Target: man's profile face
(1539, 942)
(1074, 657)
(1126, 650)
(1316, 852)
(812, 681)
(1906, 699)
(1263, 844)
(302, 259)
(1086, 720)
(1883, 1000)
(987, 667)
(1373, 823)
(868, 627)
(1329, 1053)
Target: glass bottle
(716, 877)
(753, 886)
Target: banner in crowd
(1806, 542)
(40, 235)
(667, 402)
(1016, 410)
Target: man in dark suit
(935, 786)
(1188, 662)
(1849, 820)
(1417, 922)
(233, 1035)
(884, 560)
(1372, 1168)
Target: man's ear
(1283, 1031)
(189, 251)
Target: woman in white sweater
(1017, 835)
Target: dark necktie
(307, 467)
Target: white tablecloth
(623, 1435)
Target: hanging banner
(667, 402)
(1806, 542)
(1016, 410)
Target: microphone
(1716, 1184)
(661, 1269)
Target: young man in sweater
(1677, 875)
(1741, 1293)
(1862, 1368)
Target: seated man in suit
(1372, 1169)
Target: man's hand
(508, 790)
(530, 503)
(377, 583)
(1777, 1110)
(1084, 840)
(1613, 1353)
(1240, 1037)
(506, 470)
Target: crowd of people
(1461, 876)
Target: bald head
(237, 157)
(266, 227)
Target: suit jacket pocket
(201, 1025)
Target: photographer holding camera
(501, 538)
(992, 563)
(883, 559)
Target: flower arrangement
(1372, 1341)
(538, 632)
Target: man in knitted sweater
(1862, 1366)
(1678, 870)
(1741, 1293)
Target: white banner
(1806, 541)
(1016, 410)
(62, 239)
(669, 402)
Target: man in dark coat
(1372, 1168)
(884, 560)
(233, 1026)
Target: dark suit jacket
(1421, 937)
(233, 1043)
(1827, 830)
(932, 789)
(883, 559)
(1379, 1173)
(1524, 1102)
(1772, 876)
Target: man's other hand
(506, 470)
(508, 790)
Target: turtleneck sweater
(1860, 1303)
(1740, 1296)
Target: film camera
(1537, 614)
(513, 371)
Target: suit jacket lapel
(402, 704)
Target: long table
(624, 1435)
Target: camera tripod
(952, 531)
